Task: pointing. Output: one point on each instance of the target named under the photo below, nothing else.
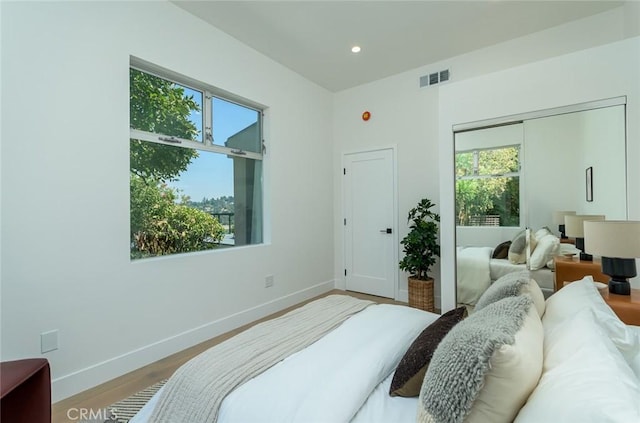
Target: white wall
(410, 118)
(65, 257)
(576, 78)
(569, 144)
(397, 119)
(65, 169)
(600, 129)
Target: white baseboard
(89, 377)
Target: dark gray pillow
(408, 377)
(502, 250)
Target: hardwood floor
(101, 396)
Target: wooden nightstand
(574, 269)
(627, 307)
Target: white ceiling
(314, 38)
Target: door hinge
(345, 272)
(344, 170)
(345, 222)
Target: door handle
(386, 231)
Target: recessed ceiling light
(355, 49)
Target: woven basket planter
(421, 294)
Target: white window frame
(476, 153)
(518, 174)
(208, 94)
(207, 144)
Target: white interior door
(370, 223)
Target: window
(195, 167)
(488, 186)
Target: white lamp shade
(612, 238)
(558, 216)
(574, 224)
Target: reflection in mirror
(488, 176)
(516, 175)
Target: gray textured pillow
(486, 367)
(509, 285)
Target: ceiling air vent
(434, 78)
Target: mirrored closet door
(513, 173)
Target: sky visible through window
(211, 175)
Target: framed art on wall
(589, 181)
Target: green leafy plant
(160, 225)
(421, 243)
(158, 105)
(161, 222)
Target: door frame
(395, 241)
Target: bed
(346, 374)
(476, 271)
(478, 267)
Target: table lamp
(574, 228)
(618, 243)
(558, 219)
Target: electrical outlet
(49, 341)
(268, 281)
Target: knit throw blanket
(196, 390)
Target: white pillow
(562, 250)
(633, 351)
(546, 248)
(584, 378)
(581, 295)
(624, 338)
(542, 232)
(571, 299)
(567, 249)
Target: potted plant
(421, 248)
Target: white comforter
(330, 380)
(473, 273)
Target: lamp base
(620, 270)
(561, 230)
(619, 287)
(586, 257)
(580, 246)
